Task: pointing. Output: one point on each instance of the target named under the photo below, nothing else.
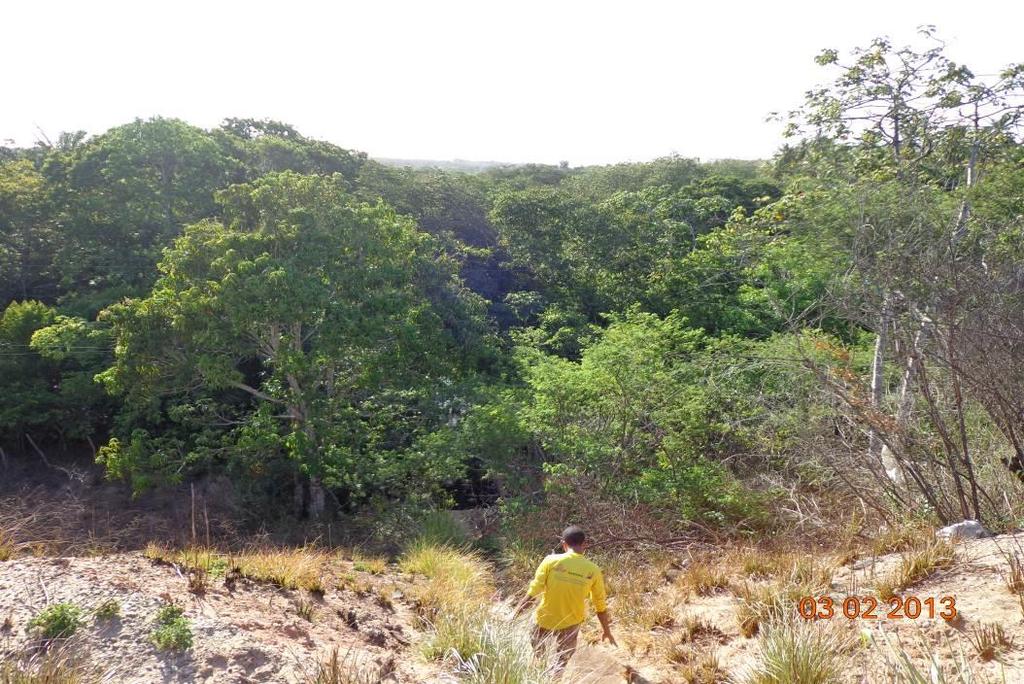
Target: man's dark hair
(574, 536)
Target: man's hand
(606, 628)
(523, 605)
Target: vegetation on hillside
(725, 347)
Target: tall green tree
(126, 195)
(312, 324)
(28, 234)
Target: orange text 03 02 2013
(871, 608)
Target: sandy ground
(251, 633)
(254, 632)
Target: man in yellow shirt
(564, 581)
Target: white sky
(515, 80)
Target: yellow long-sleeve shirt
(566, 580)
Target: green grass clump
(60, 620)
(487, 648)
(795, 650)
(454, 578)
(441, 528)
(465, 627)
(173, 631)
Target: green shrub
(173, 631)
(60, 620)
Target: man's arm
(599, 598)
(536, 588)
(606, 627)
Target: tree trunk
(905, 400)
(316, 498)
(310, 497)
(875, 446)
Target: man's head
(574, 538)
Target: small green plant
(108, 610)
(60, 620)
(173, 631)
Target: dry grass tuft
(58, 664)
(299, 568)
(925, 662)
(644, 612)
(755, 564)
(374, 565)
(693, 628)
(916, 565)
(990, 641)
(696, 665)
(385, 598)
(8, 548)
(900, 538)
(694, 650)
(1014, 574)
(305, 609)
(703, 579)
(760, 604)
(349, 669)
(807, 571)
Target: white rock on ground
(967, 529)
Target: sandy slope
(252, 633)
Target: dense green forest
(736, 345)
